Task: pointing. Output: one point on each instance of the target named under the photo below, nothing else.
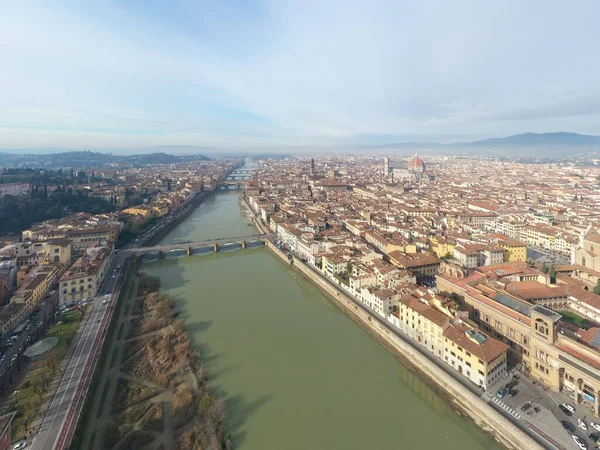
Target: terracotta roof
(430, 313)
(487, 351)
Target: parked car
(20, 445)
(502, 392)
(567, 409)
(595, 426)
(582, 424)
(513, 392)
(579, 442)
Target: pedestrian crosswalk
(487, 398)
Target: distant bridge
(238, 177)
(189, 247)
(232, 185)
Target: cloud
(279, 72)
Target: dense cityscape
(299, 225)
(487, 268)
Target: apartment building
(514, 250)
(83, 279)
(86, 238)
(453, 339)
(477, 255)
(379, 300)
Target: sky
(238, 74)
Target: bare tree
(52, 362)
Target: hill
(84, 159)
(528, 144)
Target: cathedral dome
(416, 164)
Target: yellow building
(141, 210)
(469, 351)
(513, 250)
(59, 250)
(441, 247)
(455, 340)
(160, 209)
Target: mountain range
(533, 144)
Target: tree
(52, 362)
(597, 287)
(552, 274)
(545, 268)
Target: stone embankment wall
(467, 402)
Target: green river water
(295, 372)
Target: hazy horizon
(248, 75)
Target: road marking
(506, 408)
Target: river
(295, 372)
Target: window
(480, 372)
(468, 354)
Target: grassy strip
(29, 395)
(103, 398)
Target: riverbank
(466, 402)
(151, 389)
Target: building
(379, 300)
(86, 238)
(83, 279)
(587, 256)
(11, 315)
(335, 265)
(31, 253)
(420, 264)
(557, 356)
(14, 189)
(480, 358)
(514, 250)
(451, 338)
(423, 323)
(477, 255)
(416, 165)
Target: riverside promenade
(470, 403)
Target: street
(61, 417)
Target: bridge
(237, 177)
(232, 185)
(242, 171)
(189, 247)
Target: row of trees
(46, 177)
(19, 213)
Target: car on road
(567, 409)
(513, 392)
(582, 424)
(502, 392)
(595, 426)
(568, 426)
(579, 442)
(105, 302)
(20, 445)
